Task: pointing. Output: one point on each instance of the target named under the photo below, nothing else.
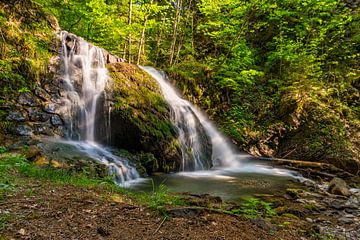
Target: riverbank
(43, 203)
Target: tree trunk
(142, 40)
(175, 29)
(129, 36)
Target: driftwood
(313, 168)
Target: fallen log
(321, 169)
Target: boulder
(24, 130)
(17, 116)
(137, 103)
(56, 120)
(51, 108)
(42, 128)
(27, 99)
(37, 116)
(41, 93)
(339, 187)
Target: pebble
(22, 232)
(309, 220)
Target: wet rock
(56, 120)
(41, 128)
(346, 220)
(24, 130)
(339, 187)
(50, 108)
(38, 116)
(17, 116)
(50, 88)
(336, 204)
(41, 93)
(27, 99)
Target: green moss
(25, 46)
(144, 114)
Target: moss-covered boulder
(140, 118)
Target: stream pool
(231, 184)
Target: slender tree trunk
(142, 39)
(129, 36)
(141, 44)
(175, 29)
(158, 40)
(179, 48)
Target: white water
(86, 77)
(224, 156)
(185, 117)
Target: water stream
(231, 174)
(85, 77)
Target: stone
(53, 22)
(24, 130)
(17, 116)
(38, 116)
(41, 93)
(41, 128)
(22, 232)
(56, 120)
(294, 193)
(264, 224)
(27, 99)
(32, 152)
(111, 59)
(336, 204)
(42, 161)
(338, 186)
(50, 108)
(309, 220)
(346, 220)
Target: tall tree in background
(178, 5)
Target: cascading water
(192, 136)
(185, 117)
(234, 174)
(85, 77)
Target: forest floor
(43, 204)
(43, 210)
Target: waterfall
(85, 77)
(185, 116)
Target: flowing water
(232, 174)
(85, 77)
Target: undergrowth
(254, 208)
(15, 170)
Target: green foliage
(12, 164)
(15, 168)
(25, 46)
(3, 149)
(159, 199)
(254, 208)
(4, 219)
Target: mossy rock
(140, 118)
